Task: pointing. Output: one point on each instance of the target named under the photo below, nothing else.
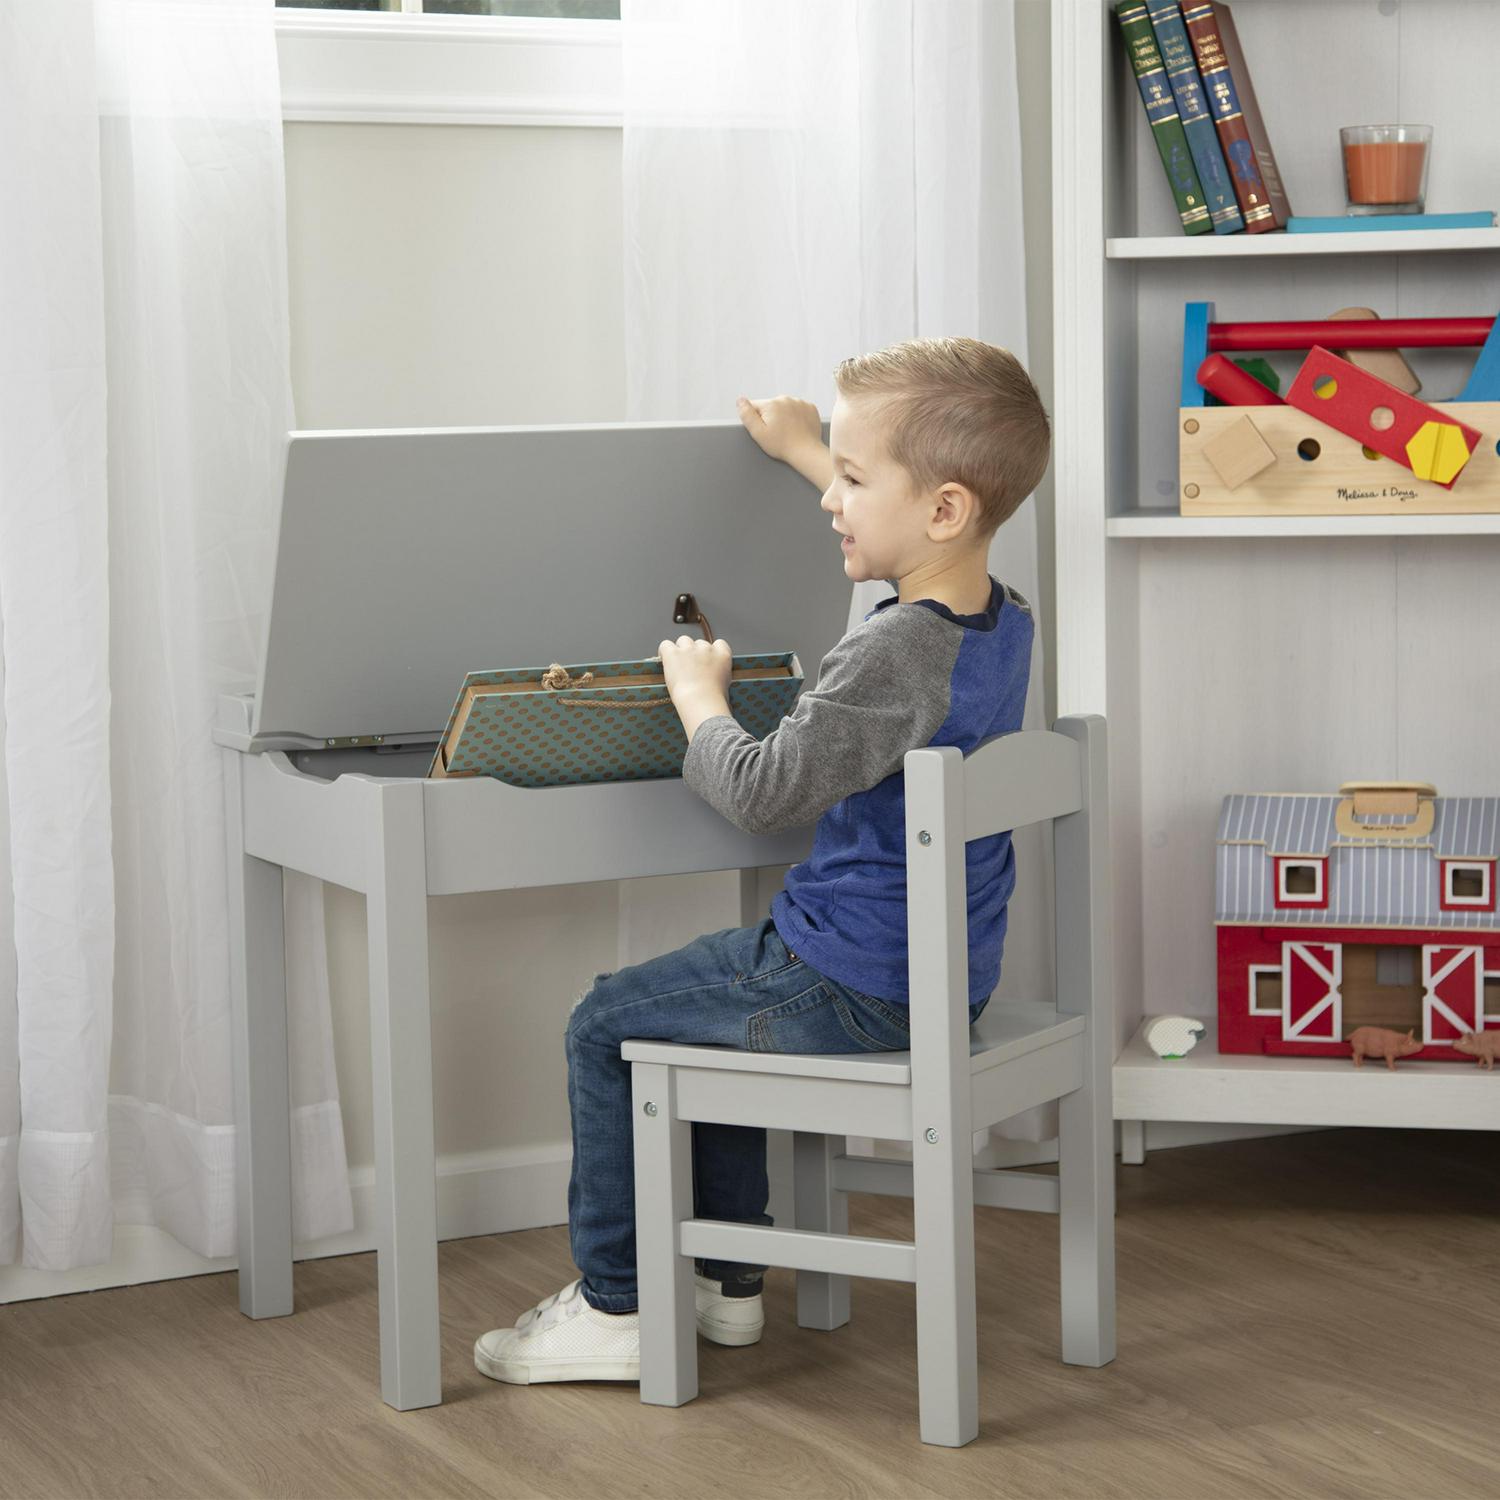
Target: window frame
(1256, 970)
(390, 67)
(1292, 901)
(1449, 902)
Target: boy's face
(873, 502)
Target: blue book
(1342, 224)
(1197, 120)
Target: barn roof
(1376, 882)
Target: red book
(1265, 158)
(1221, 87)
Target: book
(1340, 224)
(1197, 123)
(1220, 87)
(1260, 141)
(1161, 114)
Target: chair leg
(822, 1298)
(664, 1276)
(1086, 1227)
(947, 1338)
(781, 1203)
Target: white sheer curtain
(810, 179)
(144, 397)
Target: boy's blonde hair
(958, 411)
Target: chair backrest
(1058, 775)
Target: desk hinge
(348, 742)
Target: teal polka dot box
(600, 721)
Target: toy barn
(1375, 907)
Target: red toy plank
(1233, 386)
(1352, 401)
(1388, 333)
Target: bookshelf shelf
(1298, 1090)
(1239, 666)
(1353, 242)
(1161, 524)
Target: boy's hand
(782, 425)
(697, 675)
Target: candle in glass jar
(1385, 167)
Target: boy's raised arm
(792, 431)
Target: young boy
(933, 444)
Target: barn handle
(1371, 799)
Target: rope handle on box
(557, 678)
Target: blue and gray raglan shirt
(908, 676)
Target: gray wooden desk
(404, 560)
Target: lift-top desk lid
(406, 558)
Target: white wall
(452, 275)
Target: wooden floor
(1314, 1315)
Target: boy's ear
(955, 508)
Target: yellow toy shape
(1437, 451)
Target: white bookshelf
(1288, 654)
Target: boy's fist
(695, 668)
(784, 426)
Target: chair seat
(1003, 1033)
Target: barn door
(1312, 1009)
(1452, 993)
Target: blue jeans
(741, 987)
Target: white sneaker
(562, 1338)
(727, 1320)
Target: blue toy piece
(1195, 320)
(1484, 378)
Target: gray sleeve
(883, 690)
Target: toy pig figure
(1481, 1044)
(1380, 1041)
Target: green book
(1161, 112)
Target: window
(1468, 884)
(574, 10)
(451, 62)
(1300, 882)
(1396, 966)
(1265, 989)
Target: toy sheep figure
(1380, 1041)
(1174, 1036)
(1482, 1045)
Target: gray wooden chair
(953, 1082)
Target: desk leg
(261, 1082)
(401, 1064)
